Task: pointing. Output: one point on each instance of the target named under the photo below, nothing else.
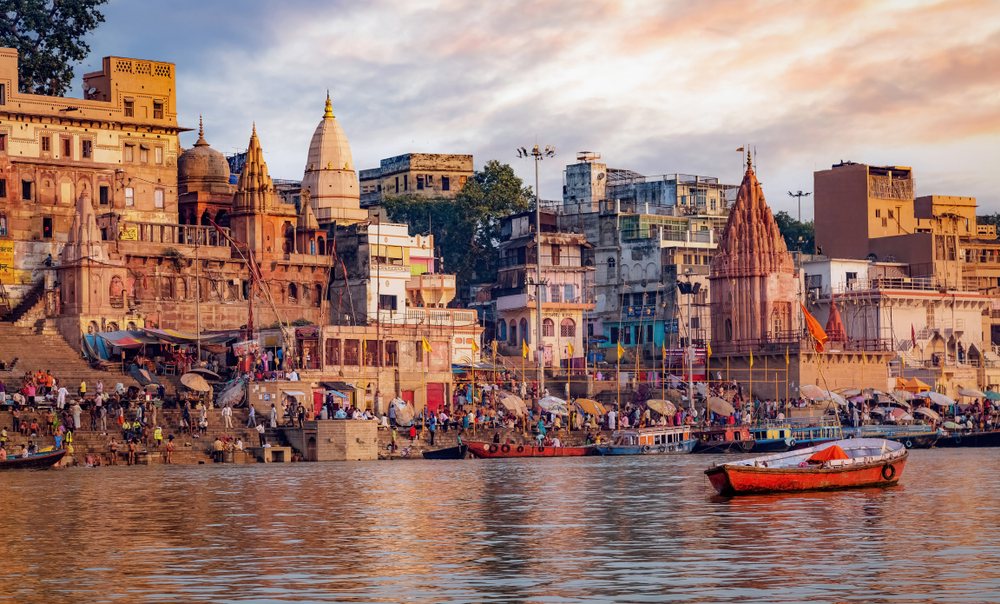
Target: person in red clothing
(413, 432)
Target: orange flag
(815, 330)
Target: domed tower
(329, 175)
(255, 203)
(203, 184)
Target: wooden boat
(776, 438)
(655, 440)
(723, 439)
(912, 437)
(491, 450)
(810, 432)
(968, 439)
(844, 464)
(38, 461)
(456, 452)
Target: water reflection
(562, 530)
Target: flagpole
(787, 363)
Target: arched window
(92, 328)
(116, 288)
(567, 328)
(525, 334)
(513, 334)
(111, 327)
(729, 330)
(131, 326)
(651, 272)
(293, 293)
(289, 235)
(548, 328)
(612, 273)
(321, 246)
(503, 331)
(626, 274)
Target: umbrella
(904, 395)
(195, 382)
(590, 406)
(993, 396)
(142, 376)
(661, 406)
(880, 411)
(952, 426)
(898, 414)
(937, 398)
(929, 413)
(513, 403)
(812, 392)
(549, 401)
(558, 409)
(972, 392)
(845, 392)
(206, 373)
(857, 399)
(720, 406)
(833, 396)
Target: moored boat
(456, 452)
(844, 464)
(772, 438)
(38, 461)
(968, 438)
(811, 432)
(912, 437)
(491, 450)
(723, 439)
(655, 440)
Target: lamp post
(689, 289)
(538, 155)
(799, 195)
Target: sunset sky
(657, 87)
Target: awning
(342, 386)
(335, 393)
(127, 339)
(171, 336)
(293, 392)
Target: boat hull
(41, 461)
(493, 450)
(723, 446)
(457, 452)
(974, 440)
(729, 480)
(771, 445)
(681, 448)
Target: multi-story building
(432, 175)
(118, 147)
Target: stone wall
(335, 440)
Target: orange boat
(844, 464)
(490, 450)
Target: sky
(658, 87)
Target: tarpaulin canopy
(339, 394)
(293, 392)
(590, 406)
(171, 336)
(127, 339)
(929, 413)
(829, 454)
(993, 396)
(142, 376)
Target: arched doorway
(311, 449)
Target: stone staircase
(49, 351)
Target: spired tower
(752, 276)
(329, 175)
(254, 200)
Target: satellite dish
(92, 91)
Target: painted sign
(128, 233)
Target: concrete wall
(336, 440)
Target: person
(157, 437)
(252, 417)
(131, 452)
(227, 414)
(170, 450)
(433, 427)
(113, 451)
(77, 410)
(3, 453)
(341, 414)
(556, 442)
(28, 451)
(280, 358)
(302, 414)
(393, 446)
(260, 433)
(274, 416)
(100, 387)
(219, 449)
(392, 415)
(413, 432)
(61, 400)
(83, 389)
(293, 376)
(239, 444)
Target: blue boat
(814, 431)
(913, 437)
(655, 440)
(776, 438)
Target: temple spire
(201, 134)
(329, 107)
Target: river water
(625, 529)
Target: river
(625, 529)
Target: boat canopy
(829, 454)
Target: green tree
(792, 229)
(48, 35)
(467, 230)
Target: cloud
(658, 87)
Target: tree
(467, 230)
(48, 35)
(792, 229)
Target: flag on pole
(751, 358)
(786, 356)
(475, 347)
(621, 351)
(524, 349)
(913, 335)
(494, 344)
(427, 346)
(569, 348)
(815, 330)
(864, 359)
(709, 349)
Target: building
(118, 147)
(203, 184)
(567, 274)
(431, 175)
(329, 175)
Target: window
(890, 213)
(26, 190)
(397, 184)
(627, 336)
(387, 302)
(67, 148)
(513, 334)
(549, 328)
(406, 183)
(351, 348)
(420, 183)
(556, 294)
(419, 347)
(445, 183)
(332, 352)
(47, 228)
(158, 198)
(129, 108)
(612, 274)
(695, 323)
(128, 152)
(614, 335)
(3, 142)
(3, 188)
(3, 94)
(885, 222)
(567, 328)
(392, 354)
(129, 196)
(46, 143)
(430, 180)
(649, 333)
(143, 155)
(104, 195)
(159, 154)
(157, 110)
(568, 296)
(88, 147)
(503, 331)
(525, 334)
(555, 255)
(878, 213)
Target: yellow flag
(664, 353)
(621, 351)
(569, 348)
(864, 359)
(709, 350)
(786, 356)
(494, 346)
(524, 349)
(427, 346)
(751, 358)
(475, 347)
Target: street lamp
(799, 195)
(538, 155)
(689, 289)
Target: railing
(181, 234)
(794, 342)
